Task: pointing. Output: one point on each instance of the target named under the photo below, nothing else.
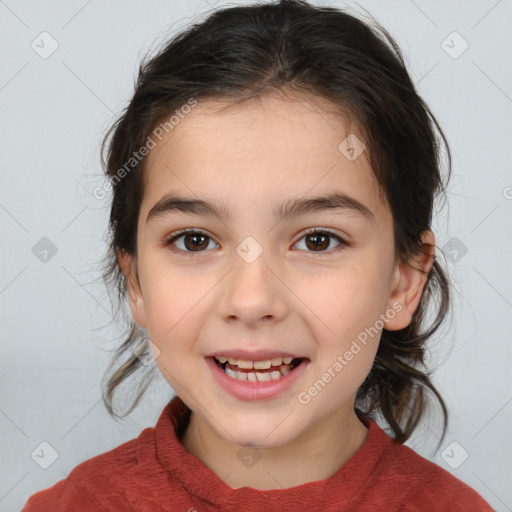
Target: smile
(257, 380)
(257, 371)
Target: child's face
(292, 298)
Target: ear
(128, 264)
(409, 279)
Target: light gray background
(54, 112)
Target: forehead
(262, 151)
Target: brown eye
(319, 241)
(193, 241)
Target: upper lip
(254, 355)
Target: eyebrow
(337, 201)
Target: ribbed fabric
(154, 473)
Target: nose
(253, 293)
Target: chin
(277, 430)
(257, 440)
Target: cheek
(346, 309)
(346, 301)
(174, 304)
(175, 314)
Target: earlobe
(128, 263)
(408, 282)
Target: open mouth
(258, 371)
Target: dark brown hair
(244, 52)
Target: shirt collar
(200, 481)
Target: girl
(273, 183)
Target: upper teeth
(257, 365)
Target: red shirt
(154, 473)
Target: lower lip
(245, 390)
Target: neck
(314, 455)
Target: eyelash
(175, 236)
